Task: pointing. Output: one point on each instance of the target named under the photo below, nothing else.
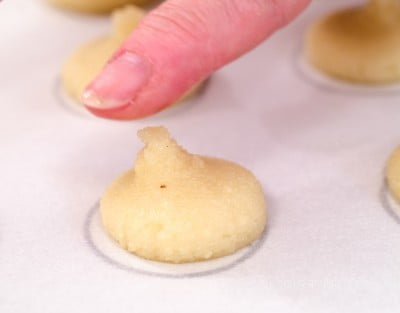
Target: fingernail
(119, 82)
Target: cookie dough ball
(96, 6)
(177, 207)
(393, 174)
(84, 64)
(359, 45)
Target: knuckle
(239, 10)
(179, 22)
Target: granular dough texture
(393, 174)
(359, 44)
(177, 207)
(96, 6)
(85, 63)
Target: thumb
(177, 45)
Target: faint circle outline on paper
(67, 102)
(390, 204)
(108, 250)
(323, 81)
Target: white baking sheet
(332, 243)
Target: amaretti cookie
(360, 45)
(178, 207)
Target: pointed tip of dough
(154, 134)
(178, 207)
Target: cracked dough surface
(359, 44)
(177, 207)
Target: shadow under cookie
(108, 250)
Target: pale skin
(179, 44)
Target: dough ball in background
(393, 174)
(177, 207)
(89, 59)
(96, 6)
(360, 45)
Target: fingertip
(127, 111)
(163, 58)
(111, 113)
(119, 82)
